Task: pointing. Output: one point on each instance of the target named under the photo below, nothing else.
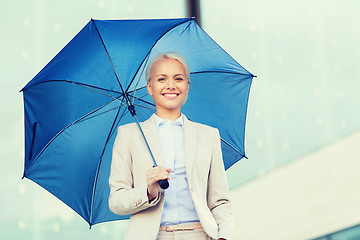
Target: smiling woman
(196, 205)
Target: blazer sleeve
(124, 198)
(218, 193)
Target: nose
(171, 84)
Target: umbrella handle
(164, 183)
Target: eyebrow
(162, 74)
(179, 74)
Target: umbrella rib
(112, 64)
(112, 109)
(62, 130)
(137, 83)
(101, 93)
(67, 81)
(142, 100)
(144, 107)
(138, 89)
(199, 72)
(148, 54)
(101, 157)
(137, 98)
(227, 53)
(233, 148)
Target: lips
(170, 95)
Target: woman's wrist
(150, 197)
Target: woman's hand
(152, 177)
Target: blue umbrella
(74, 105)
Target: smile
(170, 95)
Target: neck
(168, 114)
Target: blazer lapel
(190, 137)
(152, 138)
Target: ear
(148, 86)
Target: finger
(155, 177)
(165, 174)
(153, 180)
(153, 172)
(157, 173)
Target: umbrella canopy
(74, 105)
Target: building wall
(307, 198)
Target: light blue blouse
(178, 206)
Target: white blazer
(204, 169)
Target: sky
(304, 54)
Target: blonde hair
(168, 55)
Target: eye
(161, 79)
(179, 79)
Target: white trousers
(195, 234)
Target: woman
(196, 205)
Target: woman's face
(168, 86)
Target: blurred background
(301, 179)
